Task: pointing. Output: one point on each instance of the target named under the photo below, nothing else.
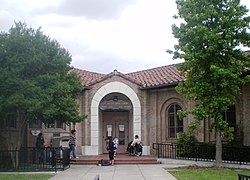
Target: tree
(208, 40)
(35, 83)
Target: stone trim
(95, 147)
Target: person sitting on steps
(137, 144)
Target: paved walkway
(131, 172)
(116, 172)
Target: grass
(25, 176)
(201, 173)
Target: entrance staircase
(119, 159)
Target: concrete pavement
(116, 172)
(132, 172)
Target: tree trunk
(218, 156)
(14, 139)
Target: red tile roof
(151, 78)
(156, 77)
(160, 76)
(87, 77)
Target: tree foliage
(208, 40)
(35, 82)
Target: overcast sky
(102, 35)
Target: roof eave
(174, 84)
(115, 74)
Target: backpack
(139, 147)
(103, 162)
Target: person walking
(72, 143)
(40, 147)
(40, 141)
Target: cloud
(102, 35)
(6, 20)
(104, 62)
(98, 61)
(137, 40)
(91, 9)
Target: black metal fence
(35, 159)
(236, 155)
(243, 177)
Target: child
(115, 141)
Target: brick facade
(154, 104)
(154, 98)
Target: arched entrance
(116, 119)
(96, 142)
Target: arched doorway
(96, 142)
(116, 112)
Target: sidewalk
(116, 172)
(131, 172)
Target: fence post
(195, 152)
(243, 177)
(66, 157)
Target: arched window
(175, 124)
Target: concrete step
(89, 162)
(120, 159)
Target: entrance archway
(95, 148)
(115, 113)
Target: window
(175, 124)
(230, 117)
(55, 124)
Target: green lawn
(196, 173)
(25, 176)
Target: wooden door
(115, 124)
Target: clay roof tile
(150, 78)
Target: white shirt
(136, 141)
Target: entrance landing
(119, 159)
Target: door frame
(115, 119)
